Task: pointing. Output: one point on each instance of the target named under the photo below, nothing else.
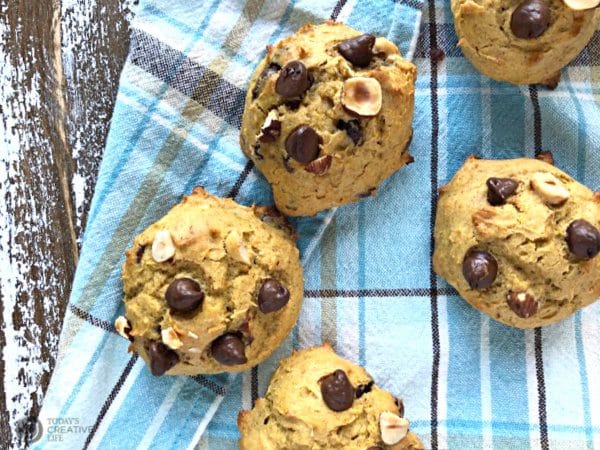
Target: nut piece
(549, 188)
(319, 166)
(162, 246)
(393, 428)
(362, 95)
(170, 338)
(236, 249)
(271, 129)
(579, 5)
(523, 304)
(382, 45)
(122, 326)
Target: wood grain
(59, 67)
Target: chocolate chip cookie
(519, 240)
(328, 116)
(524, 41)
(211, 287)
(317, 400)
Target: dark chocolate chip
(523, 304)
(437, 54)
(184, 295)
(229, 350)
(272, 296)
(303, 144)
(263, 77)
(162, 358)
(583, 239)
(375, 447)
(320, 165)
(337, 392)
(363, 389)
(400, 405)
(353, 130)
(358, 50)
(271, 132)
(530, 19)
(293, 80)
(479, 268)
(139, 253)
(499, 189)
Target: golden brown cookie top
(519, 240)
(522, 41)
(328, 116)
(211, 287)
(318, 400)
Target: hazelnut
(393, 428)
(162, 246)
(319, 166)
(362, 95)
(122, 326)
(236, 249)
(549, 188)
(579, 5)
(382, 45)
(170, 338)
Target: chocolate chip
(271, 132)
(438, 55)
(293, 104)
(352, 129)
(375, 447)
(583, 239)
(162, 358)
(523, 304)
(272, 296)
(358, 50)
(184, 295)
(293, 80)
(479, 268)
(320, 165)
(530, 19)
(229, 350)
(400, 405)
(499, 189)
(139, 253)
(337, 392)
(363, 389)
(263, 77)
(303, 144)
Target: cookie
(519, 240)
(523, 41)
(211, 287)
(317, 400)
(328, 116)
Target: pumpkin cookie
(211, 287)
(328, 116)
(317, 400)
(524, 41)
(519, 240)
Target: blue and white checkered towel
(467, 382)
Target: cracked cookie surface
(519, 240)
(522, 42)
(296, 412)
(211, 287)
(328, 116)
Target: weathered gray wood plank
(59, 66)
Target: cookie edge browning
(280, 224)
(474, 297)
(410, 442)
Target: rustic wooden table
(59, 68)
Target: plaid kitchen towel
(468, 382)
